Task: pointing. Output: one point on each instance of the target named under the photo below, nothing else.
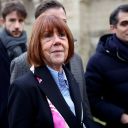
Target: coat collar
(51, 90)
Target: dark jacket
(28, 107)
(4, 85)
(107, 80)
(19, 66)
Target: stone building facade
(88, 20)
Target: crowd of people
(42, 79)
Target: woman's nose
(57, 39)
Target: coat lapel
(75, 93)
(51, 90)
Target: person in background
(48, 94)
(107, 73)
(20, 66)
(13, 16)
(12, 35)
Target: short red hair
(49, 23)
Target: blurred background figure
(12, 43)
(12, 35)
(107, 73)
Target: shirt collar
(55, 74)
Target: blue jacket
(107, 80)
(4, 85)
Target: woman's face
(54, 48)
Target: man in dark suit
(19, 65)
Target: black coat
(4, 85)
(28, 106)
(107, 80)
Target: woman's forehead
(53, 30)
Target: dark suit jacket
(28, 106)
(4, 85)
(19, 67)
